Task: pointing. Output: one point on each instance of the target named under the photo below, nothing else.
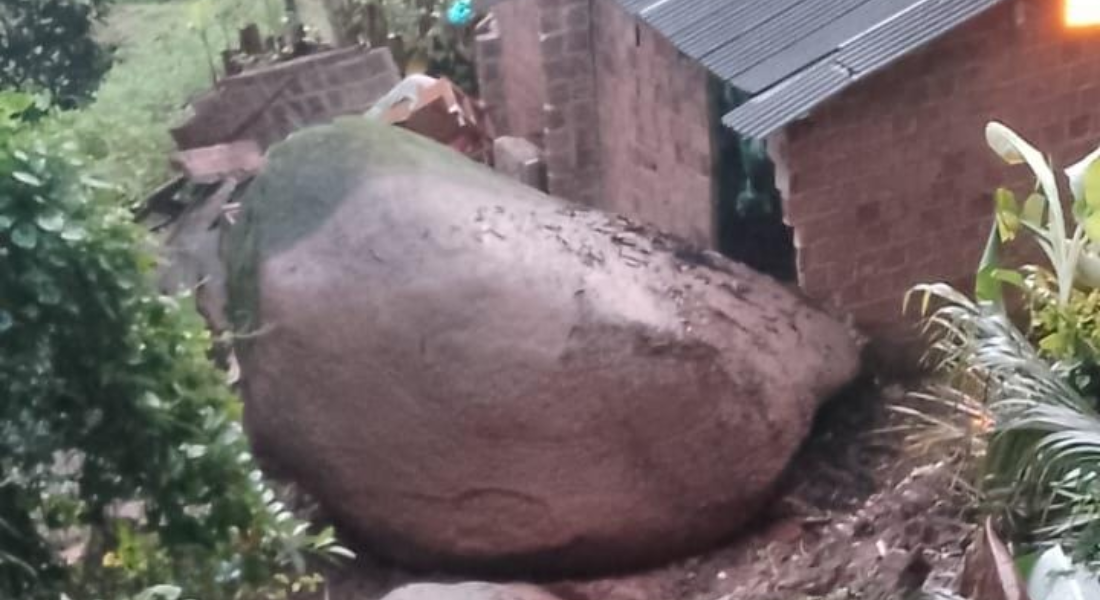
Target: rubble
(437, 109)
(211, 164)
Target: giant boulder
(472, 375)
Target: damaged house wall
(622, 118)
(889, 183)
(655, 138)
(268, 104)
(510, 76)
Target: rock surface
(471, 375)
(468, 591)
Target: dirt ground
(855, 518)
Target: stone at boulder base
(473, 376)
(468, 591)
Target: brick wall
(510, 73)
(621, 116)
(570, 123)
(266, 105)
(889, 184)
(654, 127)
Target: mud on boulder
(471, 375)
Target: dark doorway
(747, 206)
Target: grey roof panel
(637, 6)
(810, 48)
(767, 113)
(673, 16)
(774, 37)
(891, 39)
(907, 31)
(791, 55)
(736, 18)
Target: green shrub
(1040, 468)
(1067, 332)
(162, 60)
(47, 46)
(111, 402)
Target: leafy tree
(47, 46)
(111, 406)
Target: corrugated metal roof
(792, 55)
(793, 97)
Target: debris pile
(265, 105)
(437, 109)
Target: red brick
(521, 78)
(550, 21)
(578, 41)
(552, 45)
(577, 17)
(558, 93)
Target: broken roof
(792, 55)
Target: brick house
(872, 111)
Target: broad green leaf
(1014, 150)
(193, 451)
(1033, 210)
(161, 592)
(98, 184)
(1006, 143)
(52, 221)
(49, 295)
(1055, 343)
(1010, 276)
(5, 222)
(27, 178)
(1092, 186)
(1005, 200)
(12, 104)
(1077, 174)
(1008, 214)
(74, 233)
(1008, 223)
(1088, 267)
(340, 551)
(1025, 564)
(1092, 227)
(25, 235)
(986, 286)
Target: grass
(161, 62)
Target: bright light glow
(1082, 13)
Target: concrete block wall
(509, 65)
(654, 125)
(570, 120)
(521, 160)
(890, 183)
(621, 117)
(265, 105)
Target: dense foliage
(1032, 392)
(423, 41)
(161, 61)
(122, 463)
(46, 46)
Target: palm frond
(1043, 457)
